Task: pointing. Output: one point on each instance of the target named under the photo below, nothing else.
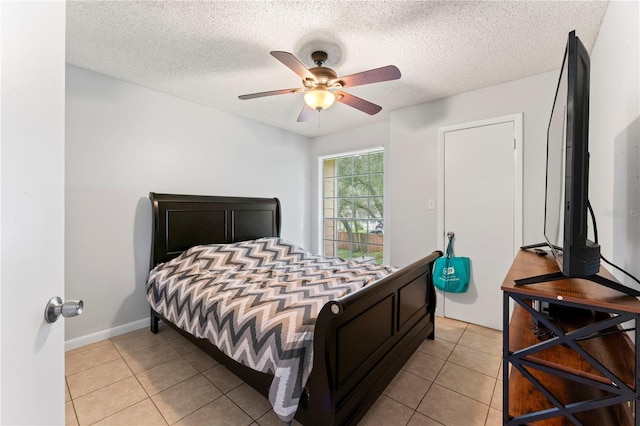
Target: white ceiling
(212, 51)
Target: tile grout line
(255, 420)
(431, 381)
(112, 414)
(133, 375)
(446, 361)
(201, 373)
(150, 397)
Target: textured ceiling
(211, 52)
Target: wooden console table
(582, 369)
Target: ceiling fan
(322, 86)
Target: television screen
(556, 160)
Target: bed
(358, 341)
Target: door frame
(518, 154)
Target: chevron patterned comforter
(257, 301)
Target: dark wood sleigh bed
(361, 340)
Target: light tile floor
(144, 379)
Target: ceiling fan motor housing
(323, 74)
(319, 57)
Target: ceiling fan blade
(270, 93)
(294, 64)
(390, 72)
(357, 103)
(306, 113)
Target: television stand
(587, 370)
(598, 279)
(554, 276)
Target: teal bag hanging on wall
(451, 273)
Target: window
(353, 200)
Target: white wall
(410, 139)
(614, 136)
(124, 141)
(414, 155)
(411, 148)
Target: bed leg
(154, 322)
(432, 335)
(432, 309)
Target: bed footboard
(364, 339)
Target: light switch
(432, 204)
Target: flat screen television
(567, 176)
(566, 195)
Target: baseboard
(105, 334)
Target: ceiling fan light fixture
(319, 99)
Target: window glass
(353, 200)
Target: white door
(32, 123)
(481, 181)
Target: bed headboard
(183, 221)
